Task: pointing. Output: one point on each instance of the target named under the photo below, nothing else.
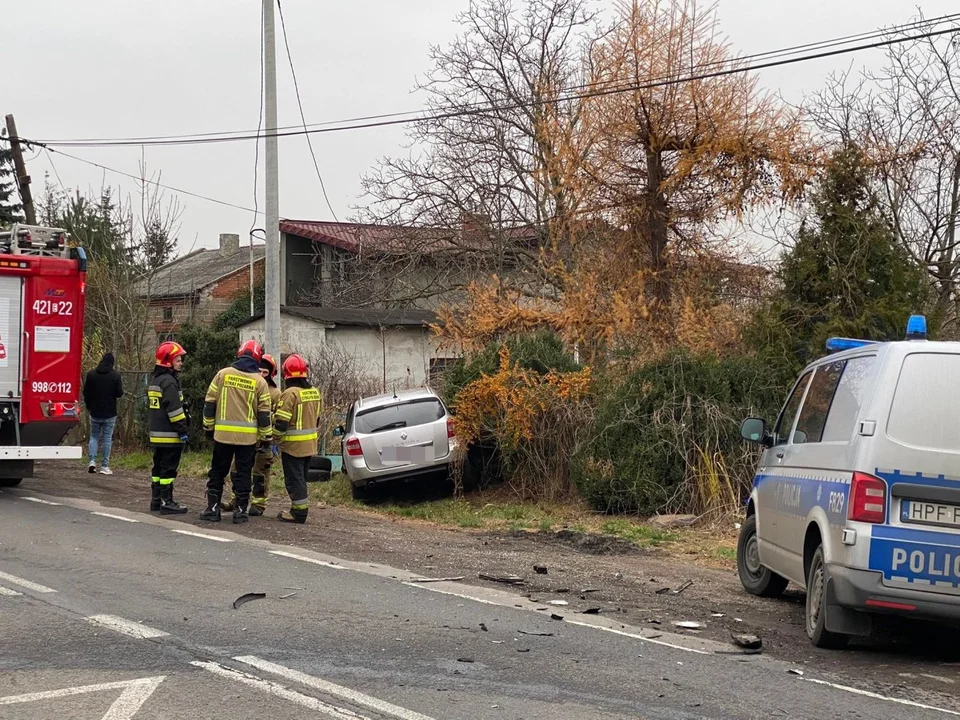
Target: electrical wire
(590, 90)
(256, 149)
(296, 88)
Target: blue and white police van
(857, 495)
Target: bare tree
(494, 171)
(906, 117)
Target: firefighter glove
(184, 438)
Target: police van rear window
(926, 405)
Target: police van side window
(849, 398)
(816, 408)
(789, 414)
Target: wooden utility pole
(23, 180)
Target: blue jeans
(101, 430)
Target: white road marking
(655, 641)
(877, 696)
(280, 691)
(202, 535)
(38, 500)
(125, 627)
(282, 553)
(134, 695)
(116, 517)
(330, 688)
(26, 583)
(462, 596)
(8, 592)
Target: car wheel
(755, 578)
(10, 482)
(359, 493)
(816, 608)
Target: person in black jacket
(168, 426)
(100, 394)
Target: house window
(168, 314)
(440, 365)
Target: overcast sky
(121, 68)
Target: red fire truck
(42, 292)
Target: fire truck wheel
(10, 482)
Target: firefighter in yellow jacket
(236, 414)
(295, 435)
(264, 460)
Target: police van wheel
(755, 578)
(816, 607)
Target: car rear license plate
(927, 513)
(404, 454)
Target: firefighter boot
(154, 496)
(240, 514)
(229, 504)
(169, 506)
(295, 515)
(258, 498)
(212, 513)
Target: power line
(171, 188)
(296, 87)
(590, 90)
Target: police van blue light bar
(838, 344)
(917, 328)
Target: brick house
(199, 286)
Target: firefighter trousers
(295, 478)
(225, 454)
(166, 462)
(261, 479)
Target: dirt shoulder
(634, 585)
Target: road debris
(523, 649)
(441, 579)
(589, 590)
(747, 641)
(795, 671)
(465, 660)
(558, 602)
(688, 624)
(288, 595)
(483, 627)
(535, 633)
(247, 598)
(540, 569)
(590, 611)
(554, 616)
(507, 579)
(619, 576)
(716, 615)
(683, 587)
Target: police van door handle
(780, 455)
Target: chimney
(229, 243)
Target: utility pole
(271, 319)
(23, 180)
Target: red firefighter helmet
(251, 348)
(168, 352)
(268, 363)
(294, 367)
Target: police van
(857, 495)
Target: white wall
(408, 348)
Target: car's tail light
(868, 499)
(451, 428)
(353, 448)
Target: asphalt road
(105, 618)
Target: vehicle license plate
(927, 513)
(404, 454)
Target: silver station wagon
(857, 496)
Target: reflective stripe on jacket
(296, 421)
(167, 419)
(237, 407)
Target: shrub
(207, 352)
(666, 437)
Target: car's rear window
(408, 414)
(926, 405)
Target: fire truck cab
(42, 292)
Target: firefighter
(264, 460)
(168, 426)
(236, 415)
(295, 434)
